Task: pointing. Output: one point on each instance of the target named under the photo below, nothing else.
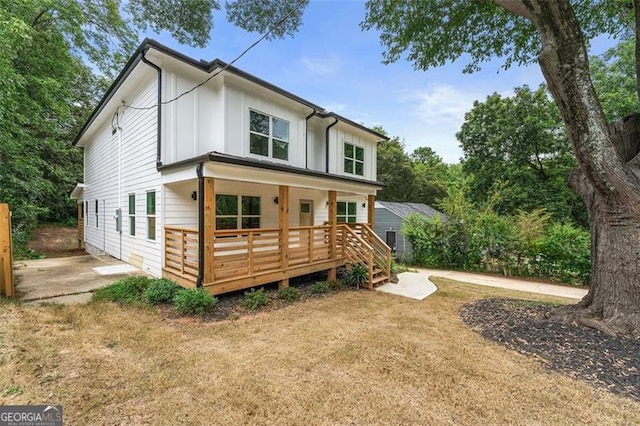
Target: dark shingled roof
(403, 210)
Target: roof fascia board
(229, 159)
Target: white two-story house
(204, 174)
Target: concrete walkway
(416, 285)
(509, 283)
(67, 280)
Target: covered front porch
(260, 228)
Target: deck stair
(360, 245)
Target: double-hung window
(268, 136)
(96, 214)
(353, 159)
(151, 215)
(346, 212)
(237, 211)
(132, 214)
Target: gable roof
(402, 210)
(208, 67)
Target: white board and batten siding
(239, 103)
(340, 134)
(180, 209)
(193, 124)
(316, 148)
(139, 176)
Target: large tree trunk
(607, 178)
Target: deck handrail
(357, 250)
(381, 248)
(181, 252)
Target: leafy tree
(614, 78)
(50, 52)
(555, 33)
(431, 174)
(395, 171)
(517, 145)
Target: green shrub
(255, 299)
(160, 291)
(125, 290)
(564, 254)
(336, 285)
(289, 294)
(356, 275)
(319, 287)
(193, 301)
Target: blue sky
(334, 64)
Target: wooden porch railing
(360, 244)
(181, 252)
(382, 252)
(244, 252)
(241, 253)
(356, 250)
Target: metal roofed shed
(388, 223)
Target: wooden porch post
(209, 228)
(333, 213)
(371, 211)
(6, 259)
(283, 224)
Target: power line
(244, 52)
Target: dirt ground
(56, 241)
(356, 357)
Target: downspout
(327, 143)
(159, 109)
(199, 172)
(119, 214)
(306, 138)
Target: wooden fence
(6, 259)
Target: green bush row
(150, 291)
(143, 290)
(482, 240)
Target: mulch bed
(583, 353)
(229, 307)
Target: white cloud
(440, 104)
(324, 66)
(334, 107)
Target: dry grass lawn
(351, 358)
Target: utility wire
(244, 52)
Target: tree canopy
(58, 58)
(556, 34)
(421, 177)
(517, 147)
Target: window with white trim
(151, 215)
(347, 212)
(353, 159)
(132, 215)
(237, 211)
(86, 209)
(268, 136)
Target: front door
(306, 213)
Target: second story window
(353, 159)
(268, 136)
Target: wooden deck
(248, 257)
